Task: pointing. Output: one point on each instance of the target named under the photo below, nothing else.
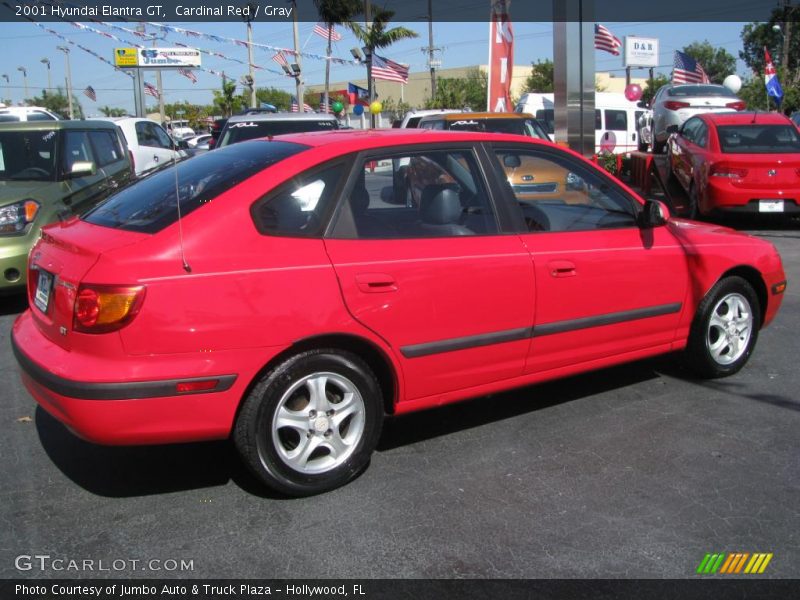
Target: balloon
(608, 142)
(358, 110)
(375, 107)
(337, 107)
(733, 83)
(633, 92)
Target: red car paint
(250, 298)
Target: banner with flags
(280, 59)
(188, 74)
(296, 108)
(357, 95)
(388, 70)
(605, 40)
(151, 90)
(501, 57)
(90, 93)
(774, 88)
(321, 29)
(687, 70)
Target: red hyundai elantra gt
(313, 284)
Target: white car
(412, 118)
(198, 140)
(674, 104)
(14, 114)
(180, 129)
(150, 146)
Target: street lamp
(46, 61)
(65, 50)
(24, 79)
(251, 9)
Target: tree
(377, 36)
(468, 91)
(108, 111)
(225, 99)
(650, 90)
(718, 63)
(395, 109)
(334, 12)
(57, 102)
(541, 78)
(278, 98)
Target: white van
(615, 119)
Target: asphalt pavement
(634, 471)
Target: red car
(292, 303)
(738, 163)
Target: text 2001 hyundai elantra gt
(289, 293)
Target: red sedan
(290, 293)
(738, 163)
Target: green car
(50, 171)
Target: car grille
(536, 188)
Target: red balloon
(633, 92)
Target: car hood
(13, 191)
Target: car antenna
(186, 266)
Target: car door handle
(561, 268)
(376, 283)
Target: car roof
(282, 116)
(50, 125)
(746, 118)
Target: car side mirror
(82, 168)
(674, 129)
(642, 104)
(511, 161)
(654, 214)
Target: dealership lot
(635, 471)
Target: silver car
(674, 104)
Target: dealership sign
(126, 57)
(641, 51)
(169, 57)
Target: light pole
(46, 61)
(24, 79)
(8, 81)
(248, 17)
(297, 66)
(65, 50)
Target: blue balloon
(358, 109)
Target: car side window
(300, 207)
(689, 131)
(38, 115)
(616, 120)
(436, 193)
(701, 134)
(105, 147)
(555, 192)
(76, 149)
(162, 139)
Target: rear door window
(77, 148)
(106, 147)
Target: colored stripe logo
(734, 563)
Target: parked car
(515, 123)
(297, 308)
(50, 171)
(738, 163)
(13, 114)
(216, 130)
(674, 104)
(241, 128)
(644, 128)
(198, 140)
(412, 118)
(149, 144)
(179, 129)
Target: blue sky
(24, 44)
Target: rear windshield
(250, 130)
(149, 205)
(546, 116)
(28, 155)
(513, 126)
(700, 90)
(758, 139)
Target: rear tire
(725, 329)
(311, 423)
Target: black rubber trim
(132, 390)
(472, 341)
(607, 319)
(513, 335)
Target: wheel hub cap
(321, 424)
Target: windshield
(250, 130)
(700, 90)
(759, 139)
(149, 205)
(546, 116)
(513, 126)
(28, 155)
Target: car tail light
(738, 105)
(198, 385)
(105, 308)
(675, 105)
(728, 171)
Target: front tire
(311, 423)
(724, 330)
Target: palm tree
(376, 35)
(334, 12)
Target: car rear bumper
(138, 400)
(14, 262)
(725, 198)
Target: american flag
(321, 29)
(605, 40)
(89, 91)
(188, 74)
(295, 108)
(151, 90)
(388, 70)
(687, 70)
(280, 59)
